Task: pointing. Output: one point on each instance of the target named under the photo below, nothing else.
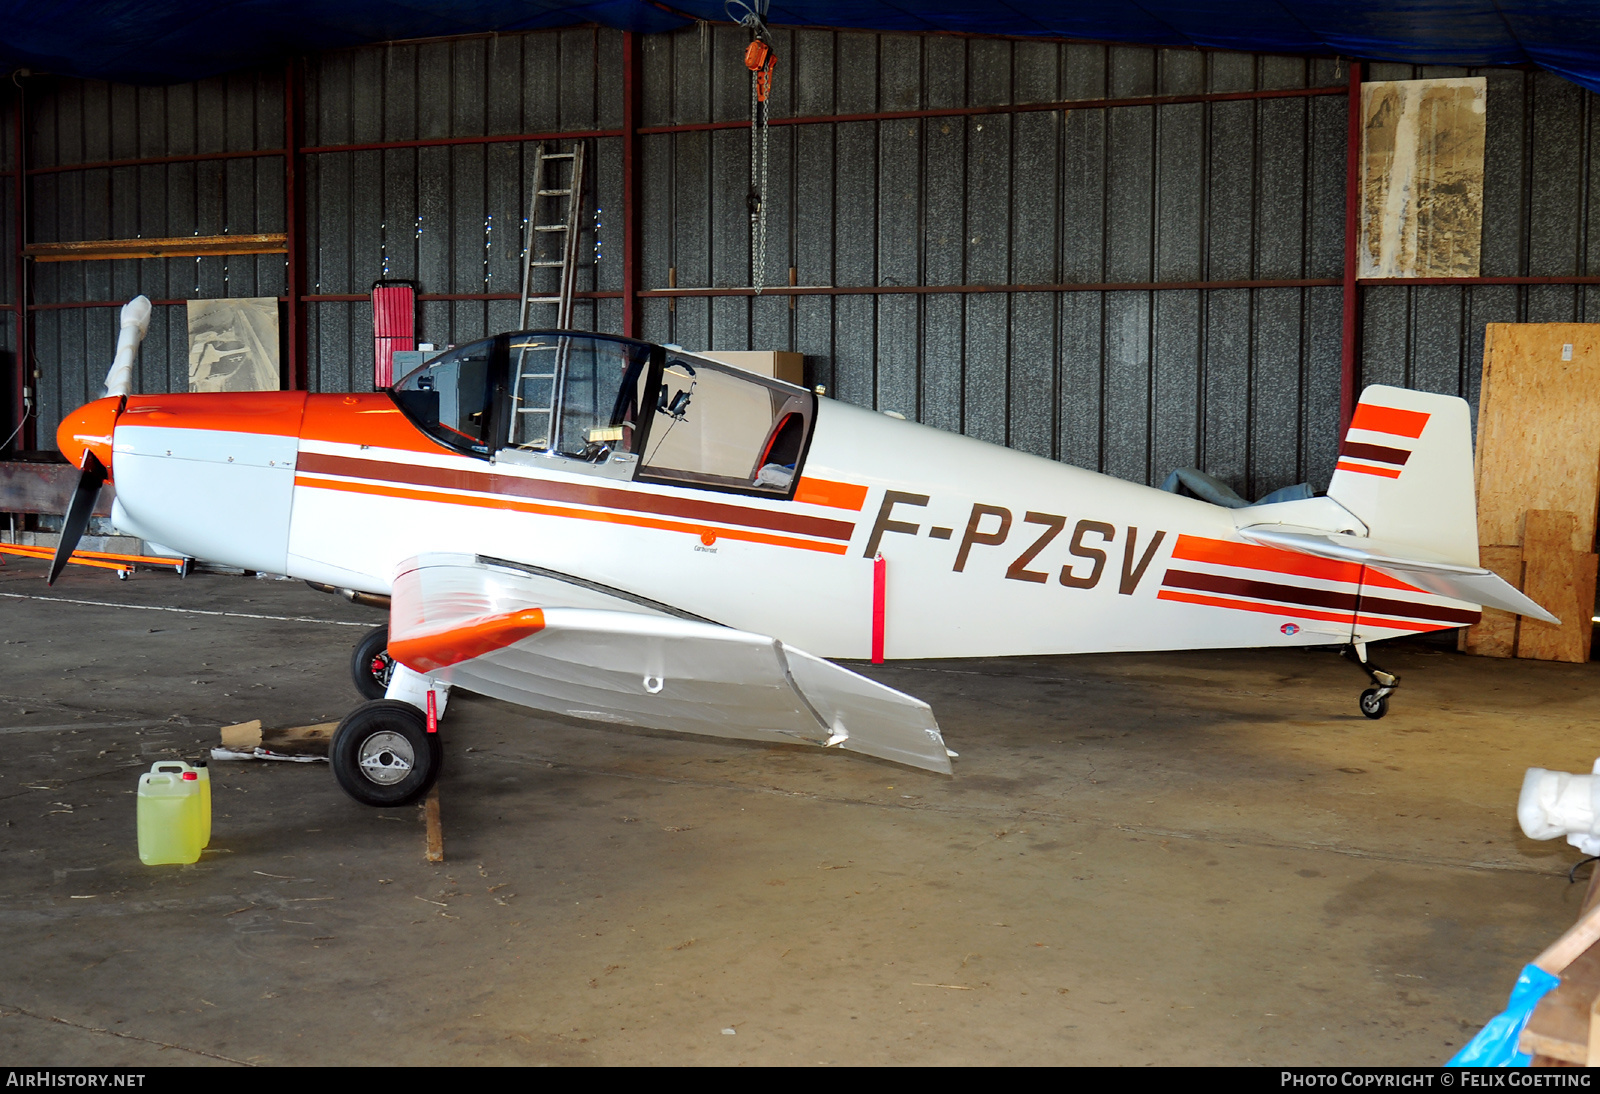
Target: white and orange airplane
(628, 533)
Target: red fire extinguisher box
(394, 326)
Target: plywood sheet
(1538, 428)
(1422, 177)
(1551, 576)
(1496, 634)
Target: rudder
(1405, 469)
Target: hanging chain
(757, 200)
(760, 60)
(758, 188)
(761, 255)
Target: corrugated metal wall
(451, 216)
(92, 122)
(1240, 381)
(1132, 383)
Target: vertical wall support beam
(1350, 342)
(632, 83)
(26, 438)
(294, 200)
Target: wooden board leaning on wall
(1538, 482)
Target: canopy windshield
(594, 404)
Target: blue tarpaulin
(157, 41)
(1496, 1043)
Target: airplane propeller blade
(78, 511)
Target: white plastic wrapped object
(135, 324)
(1554, 803)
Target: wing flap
(1470, 584)
(476, 626)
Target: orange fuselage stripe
(839, 495)
(1255, 556)
(1300, 613)
(1245, 605)
(561, 511)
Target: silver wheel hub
(386, 757)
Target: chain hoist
(760, 58)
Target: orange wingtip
(431, 650)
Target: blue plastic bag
(1496, 1043)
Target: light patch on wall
(1422, 177)
(233, 344)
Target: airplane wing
(559, 644)
(1467, 583)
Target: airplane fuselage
(987, 551)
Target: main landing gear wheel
(383, 754)
(370, 664)
(1374, 704)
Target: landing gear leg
(1375, 700)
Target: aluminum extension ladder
(543, 213)
(537, 392)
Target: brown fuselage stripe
(1323, 598)
(488, 482)
(1377, 452)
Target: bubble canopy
(594, 404)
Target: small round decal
(1290, 628)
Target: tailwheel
(370, 664)
(1375, 700)
(1374, 704)
(383, 754)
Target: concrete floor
(1192, 858)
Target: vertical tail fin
(1405, 469)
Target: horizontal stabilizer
(1471, 584)
(493, 629)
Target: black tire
(371, 665)
(403, 759)
(1374, 705)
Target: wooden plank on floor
(430, 810)
(1551, 576)
(1559, 1026)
